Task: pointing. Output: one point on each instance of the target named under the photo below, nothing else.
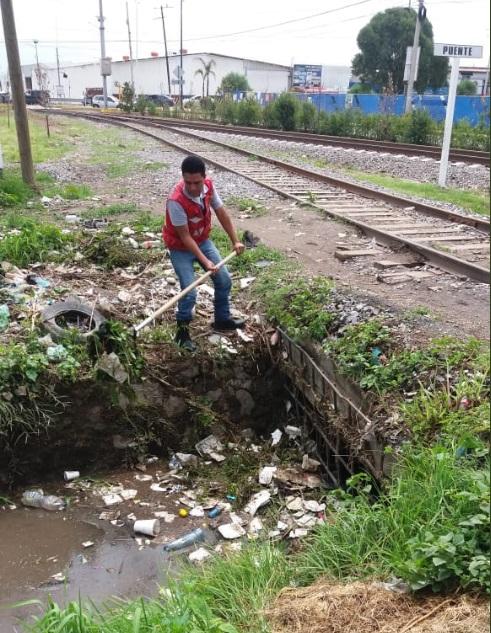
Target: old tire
(72, 311)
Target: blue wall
(474, 109)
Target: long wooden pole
(17, 89)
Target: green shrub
(270, 116)
(421, 128)
(248, 112)
(141, 104)
(226, 111)
(308, 116)
(13, 190)
(286, 106)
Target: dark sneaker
(229, 324)
(183, 339)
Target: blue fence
(473, 109)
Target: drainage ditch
(108, 434)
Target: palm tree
(205, 74)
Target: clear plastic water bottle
(37, 499)
(185, 541)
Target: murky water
(36, 545)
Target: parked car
(98, 101)
(5, 97)
(37, 97)
(89, 94)
(190, 100)
(161, 100)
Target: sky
(280, 31)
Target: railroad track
(454, 242)
(406, 149)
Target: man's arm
(226, 221)
(190, 244)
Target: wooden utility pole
(17, 89)
(420, 17)
(165, 47)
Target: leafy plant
(33, 242)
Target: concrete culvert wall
(104, 425)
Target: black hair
(193, 165)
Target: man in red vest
(186, 235)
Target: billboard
(307, 76)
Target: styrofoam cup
(69, 475)
(150, 527)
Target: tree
(383, 43)
(205, 73)
(467, 87)
(127, 96)
(360, 89)
(234, 82)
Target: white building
(150, 75)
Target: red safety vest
(199, 220)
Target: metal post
(38, 69)
(165, 47)
(17, 90)
(103, 51)
(420, 16)
(447, 134)
(181, 79)
(486, 83)
(132, 75)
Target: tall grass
(33, 242)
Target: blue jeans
(183, 262)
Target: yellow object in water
(183, 513)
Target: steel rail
(441, 259)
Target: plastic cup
(69, 475)
(150, 527)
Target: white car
(98, 101)
(190, 100)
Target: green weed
(248, 205)
(35, 242)
(13, 190)
(117, 208)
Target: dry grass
(368, 608)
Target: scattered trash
(276, 437)
(275, 337)
(263, 263)
(151, 244)
(299, 478)
(71, 218)
(257, 501)
(139, 477)
(133, 243)
(150, 527)
(4, 317)
(183, 513)
(158, 488)
(167, 516)
(244, 337)
(111, 365)
(112, 499)
(37, 499)
(266, 475)
(128, 494)
(197, 512)
(293, 431)
(175, 463)
(249, 239)
(245, 282)
(310, 464)
(464, 403)
(397, 585)
(127, 230)
(255, 526)
(298, 533)
(87, 544)
(195, 536)
(222, 341)
(214, 512)
(231, 531)
(40, 282)
(187, 459)
(110, 516)
(69, 475)
(199, 555)
(314, 506)
(295, 504)
(59, 577)
(210, 447)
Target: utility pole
(165, 47)
(17, 89)
(420, 16)
(38, 69)
(132, 74)
(59, 89)
(103, 52)
(181, 74)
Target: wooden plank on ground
(344, 255)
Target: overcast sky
(215, 25)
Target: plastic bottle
(37, 499)
(185, 541)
